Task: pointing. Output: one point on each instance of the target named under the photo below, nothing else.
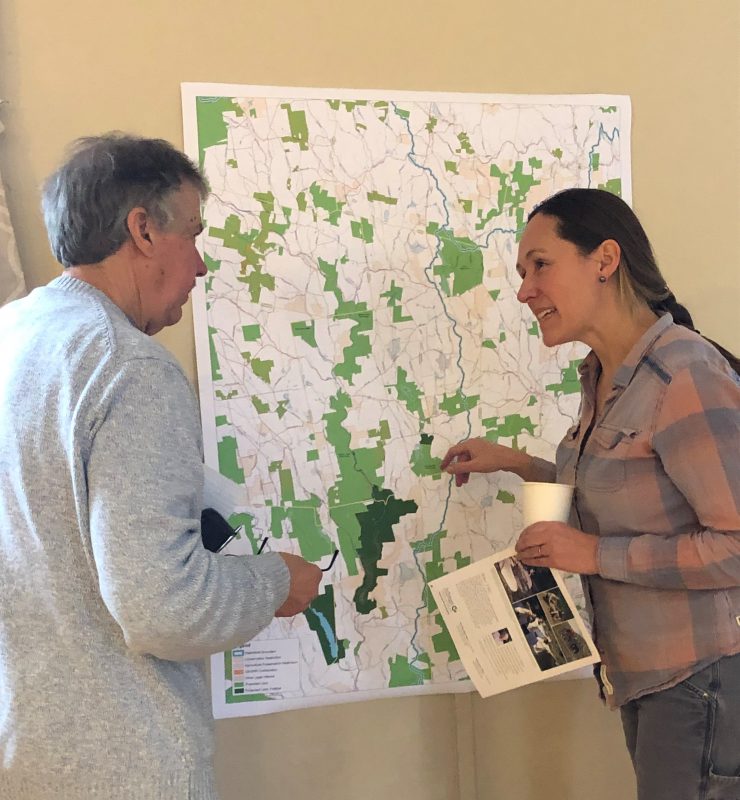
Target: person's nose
(202, 269)
(527, 290)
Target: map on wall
(359, 316)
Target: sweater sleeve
(697, 438)
(171, 598)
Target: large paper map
(358, 317)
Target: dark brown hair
(587, 217)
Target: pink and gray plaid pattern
(658, 481)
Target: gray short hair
(87, 200)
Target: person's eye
(539, 263)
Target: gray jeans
(685, 741)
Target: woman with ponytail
(655, 459)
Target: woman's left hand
(557, 545)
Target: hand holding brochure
(512, 624)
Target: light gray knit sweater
(108, 601)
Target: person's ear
(139, 226)
(609, 256)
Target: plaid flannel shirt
(658, 481)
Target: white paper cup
(545, 502)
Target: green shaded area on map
(614, 186)
(228, 463)
(303, 516)
(461, 258)
(323, 200)
(569, 380)
(512, 194)
(362, 230)
(510, 427)
(405, 674)
(254, 245)
(212, 128)
(260, 406)
(409, 394)
(306, 331)
(376, 528)
(458, 403)
(298, 127)
(362, 511)
(211, 264)
(260, 367)
(215, 366)
(285, 476)
(465, 146)
(433, 569)
(358, 475)
(251, 333)
(349, 105)
(381, 107)
(382, 432)
(394, 295)
(362, 318)
(423, 463)
(382, 198)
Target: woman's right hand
(480, 455)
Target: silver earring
(602, 278)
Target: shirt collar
(641, 348)
(590, 367)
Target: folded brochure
(512, 624)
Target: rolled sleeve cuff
(611, 558)
(545, 470)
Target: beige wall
(74, 68)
